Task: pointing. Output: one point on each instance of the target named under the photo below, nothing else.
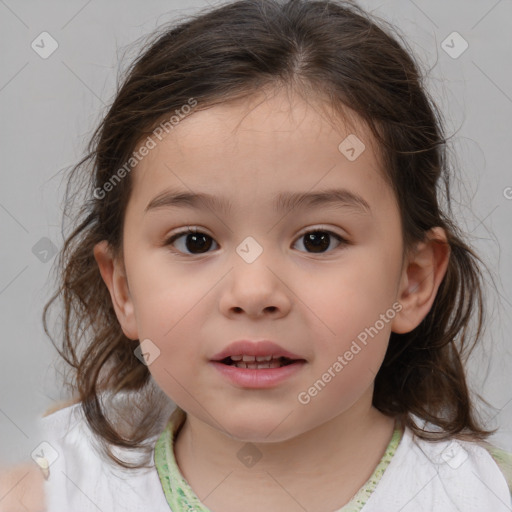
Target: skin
(22, 488)
(314, 304)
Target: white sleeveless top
(422, 476)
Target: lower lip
(253, 378)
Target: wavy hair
(347, 59)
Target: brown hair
(332, 51)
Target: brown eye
(317, 241)
(194, 241)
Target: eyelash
(194, 231)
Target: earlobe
(422, 275)
(114, 275)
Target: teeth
(256, 362)
(251, 359)
(275, 363)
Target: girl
(266, 306)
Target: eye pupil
(198, 239)
(197, 242)
(317, 241)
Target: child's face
(314, 298)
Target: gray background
(50, 107)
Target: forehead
(251, 149)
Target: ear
(423, 272)
(114, 275)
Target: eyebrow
(284, 201)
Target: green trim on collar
(181, 497)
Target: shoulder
(60, 405)
(502, 458)
(81, 476)
(465, 472)
(58, 420)
(22, 489)
(66, 434)
(67, 446)
(22, 486)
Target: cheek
(163, 295)
(175, 332)
(169, 312)
(351, 296)
(351, 313)
(349, 356)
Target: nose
(258, 289)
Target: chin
(256, 428)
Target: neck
(348, 447)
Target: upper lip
(254, 348)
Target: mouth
(262, 354)
(258, 362)
(257, 365)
